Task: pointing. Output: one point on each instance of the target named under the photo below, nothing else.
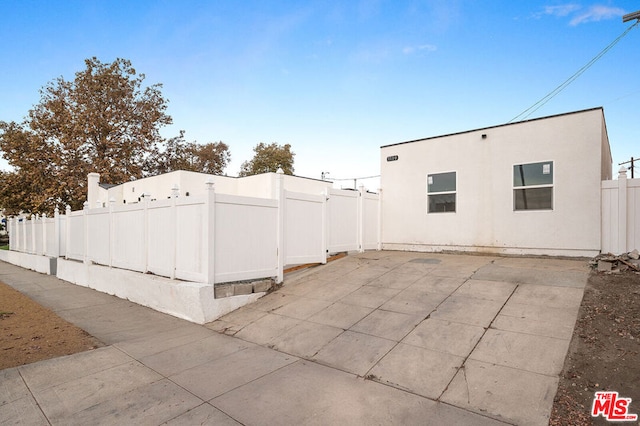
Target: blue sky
(336, 79)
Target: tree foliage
(269, 158)
(104, 121)
(177, 154)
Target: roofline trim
(494, 127)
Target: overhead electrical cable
(533, 108)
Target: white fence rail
(213, 239)
(620, 214)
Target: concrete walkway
(377, 338)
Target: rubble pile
(612, 264)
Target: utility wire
(533, 108)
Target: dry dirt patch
(605, 349)
(30, 332)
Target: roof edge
(495, 127)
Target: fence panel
(38, 224)
(304, 228)
(620, 215)
(50, 231)
(370, 220)
(98, 240)
(62, 232)
(190, 240)
(609, 217)
(342, 220)
(75, 242)
(128, 238)
(633, 214)
(161, 242)
(246, 239)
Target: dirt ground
(30, 332)
(604, 351)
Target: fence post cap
(622, 173)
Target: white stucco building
(532, 187)
(185, 184)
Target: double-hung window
(533, 186)
(441, 192)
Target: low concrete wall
(191, 301)
(42, 264)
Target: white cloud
(423, 47)
(597, 13)
(580, 15)
(560, 10)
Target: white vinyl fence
(620, 214)
(213, 239)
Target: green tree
(269, 158)
(178, 154)
(103, 121)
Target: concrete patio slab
(323, 396)
(559, 316)
(169, 339)
(335, 291)
(468, 310)
(354, 352)
(305, 339)
(417, 370)
(12, 387)
(528, 326)
(221, 375)
(548, 296)
(487, 290)
(396, 279)
(341, 315)
(445, 336)
(514, 396)
(414, 301)
(369, 297)
(344, 320)
(154, 403)
(501, 271)
(22, 411)
(65, 400)
(180, 358)
(387, 324)
(537, 354)
(273, 301)
(204, 414)
(53, 372)
(438, 284)
(268, 328)
(302, 308)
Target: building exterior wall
(485, 219)
(193, 184)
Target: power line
(533, 108)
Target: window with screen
(441, 192)
(533, 186)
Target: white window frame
(454, 192)
(547, 185)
